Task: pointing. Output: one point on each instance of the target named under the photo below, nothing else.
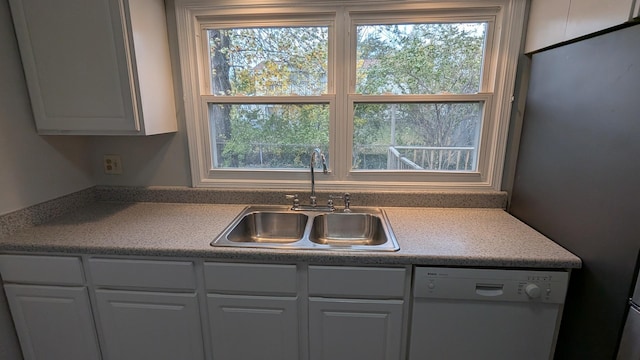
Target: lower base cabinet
(53, 322)
(140, 325)
(253, 327)
(347, 329)
(146, 309)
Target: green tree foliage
(421, 59)
(275, 135)
(269, 62)
(418, 59)
(409, 59)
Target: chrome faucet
(312, 165)
(313, 206)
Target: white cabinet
(53, 322)
(147, 309)
(132, 309)
(351, 312)
(346, 329)
(149, 325)
(555, 21)
(589, 16)
(253, 311)
(357, 313)
(253, 327)
(97, 67)
(50, 307)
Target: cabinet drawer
(177, 275)
(251, 278)
(344, 281)
(60, 270)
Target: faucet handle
(296, 201)
(347, 201)
(324, 164)
(330, 204)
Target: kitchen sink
(362, 229)
(269, 227)
(343, 229)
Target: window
(404, 57)
(284, 63)
(400, 95)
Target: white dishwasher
(461, 314)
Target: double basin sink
(362, 229)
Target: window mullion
(340, 134)
(358, 98)
(322, 99)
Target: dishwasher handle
(490, 290)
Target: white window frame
(506, 20)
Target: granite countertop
(427, 236)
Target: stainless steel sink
(269, 227)
(344, 229)
(364, 229)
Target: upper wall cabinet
(555, 21)
(97, 67)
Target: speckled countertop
(427, 236)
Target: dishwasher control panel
(490, 284)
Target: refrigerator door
(630, 343)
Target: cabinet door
(96, 67)
(253, 327)
(53, 322)
(149, 325)
(346, 329)
(74, 57)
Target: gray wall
(152, 160)
(161, 160)
(39, 168)
(34, 168)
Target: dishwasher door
(485, 314)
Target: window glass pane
(409, 136)
(268, 61)
(267, 136)
(420, 58)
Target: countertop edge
(295, 256)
